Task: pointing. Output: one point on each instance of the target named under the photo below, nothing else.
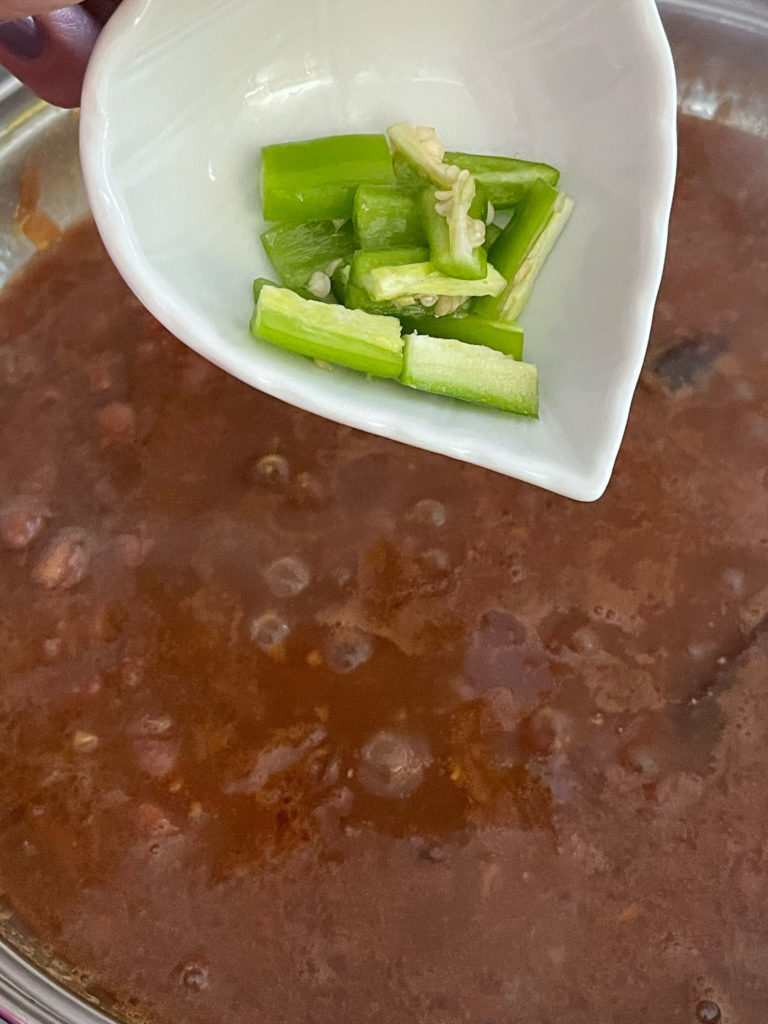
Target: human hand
(47, 46)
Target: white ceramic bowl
(181, 95)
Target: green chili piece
(450, 245)
(340, 282)
(394, 282)
(510, 250)
(518, 291)
(317, 180)
(371, 344)
(298, 250)
(358, 298)
(423, 150)
(492, 232)
(523, 247)
(471, 329)
(385, 218)
(479, 206)
(409, 181)
(407, 178)
(363, 262)
(471, 373)
(259, 284)
(505, 179)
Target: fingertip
(50, 52)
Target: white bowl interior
(182, 94)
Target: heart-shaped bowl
(182, 94)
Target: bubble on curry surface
(392, 764)
(346, 649)
(287, 577)
(269, 631)
(429, 512)
(269, 471)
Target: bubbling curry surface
(300, 725)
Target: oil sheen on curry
(300, 725)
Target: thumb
(49, 52)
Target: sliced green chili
(334, 334)
(385, 218)
(515, 297)
(466, 327)
(510, 250)
(340, 283)
(505, 180)
(450, 244)
(317, 180)
(471, 373)
(492, 232)
(407, 178)
(259, 284)
(299, 250)
(423, 150)
(363, 263)
(424, 279)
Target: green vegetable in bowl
(423, 150)
(522, 247)
(504, 179)
(475, 330)
(363, 262)
(455, 237)
(317, 180)
(472, 373)
(334, 334)
(297, 251)
(419, 280)
(385, 218)
(425, 278)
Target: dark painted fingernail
(23, 38)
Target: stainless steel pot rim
(38, 999)
(749, 15)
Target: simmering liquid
(300, 725)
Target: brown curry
(300, 725)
